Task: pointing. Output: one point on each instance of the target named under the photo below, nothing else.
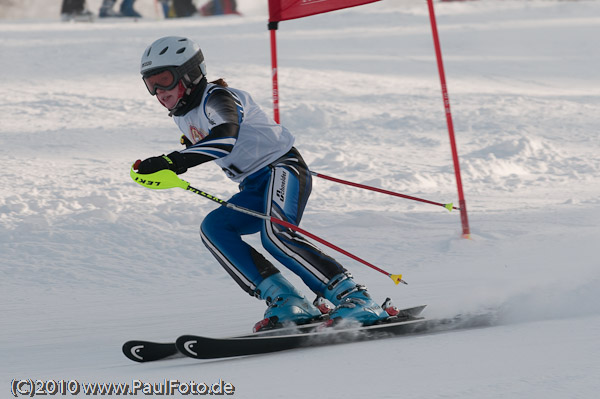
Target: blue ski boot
(285, 304)
(352, 301)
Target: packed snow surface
(90, 260)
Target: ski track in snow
(90, 260)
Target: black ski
(150, 351)
(147, 351)
(199, 347)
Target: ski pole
(166, 179)
(448, 206)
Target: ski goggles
(166, 79)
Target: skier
(225, 125)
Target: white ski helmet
(179, 55)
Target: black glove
(173, 161)
(154, 164)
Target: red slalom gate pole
(448, 206)
(273, 30)
(438, 54)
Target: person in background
(187, 8)
(218, 7)
(75, 10)
(182, 8)
(126, 10)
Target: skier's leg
(221, 232)
(288, 191)
(287, 194)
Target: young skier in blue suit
(224, 125)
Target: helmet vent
(163, 50)
(181, 50)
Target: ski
(403, 314)
(149, 351)
(200, 347)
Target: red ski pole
(165, 179)
(448, 206)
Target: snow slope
(90, 260)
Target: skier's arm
(226, 114)
(217, 144)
